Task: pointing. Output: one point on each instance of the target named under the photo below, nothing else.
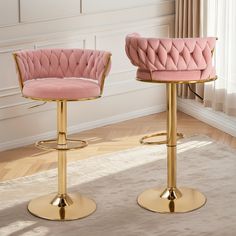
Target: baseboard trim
(216, 119)
(84, 126)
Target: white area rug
(115, 180)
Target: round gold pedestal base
(62, 207)
(176, 201)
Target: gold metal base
(51, 144)
(62, 207)
(171, 200)
(142, 140)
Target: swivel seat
(62, 75)
(171, 61)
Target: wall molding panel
(80, 24)
(104, 6)
(43, 10)
(9, 14)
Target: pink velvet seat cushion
(61, 88)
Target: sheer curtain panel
(220, 20)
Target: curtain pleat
(187, 25)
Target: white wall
(32, 24)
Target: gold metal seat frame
(62, 206)
(172, 199)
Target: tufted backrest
(170, 54)
(62, 63)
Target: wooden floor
(111, 138)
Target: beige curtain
(188, 24)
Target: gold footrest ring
(62, 207)
(171, 200)
(142, 140)
(51, 144)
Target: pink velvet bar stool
(62, 75)
(171, 61)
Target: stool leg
(171, 192)
(62, 199)
(171, 135)
(61, 142)
(62, 206)
(171, 199)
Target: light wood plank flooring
(111, 138)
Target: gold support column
(62, 199)
(171, 135)
(62, 172)
(62, 143)
(171, 199)
(171, 192)
(62, 206)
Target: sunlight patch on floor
(14, 227)
(183, 147)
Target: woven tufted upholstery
(160, 59)
(56, 73)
